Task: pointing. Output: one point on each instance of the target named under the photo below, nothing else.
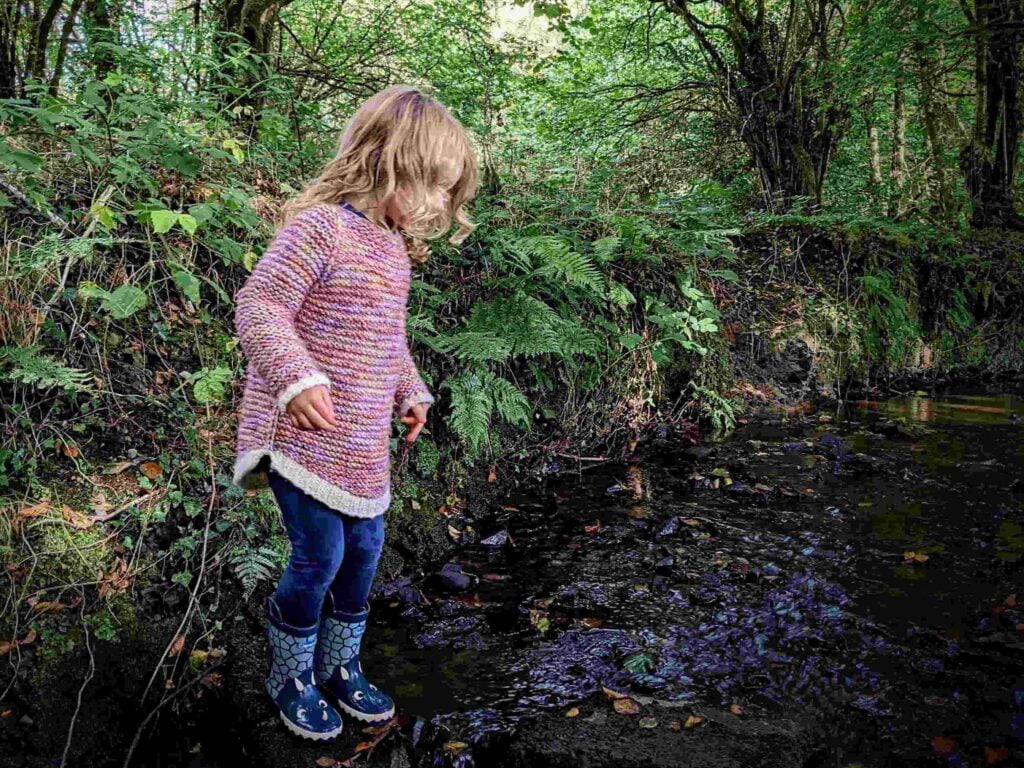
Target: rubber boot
(291, 683)
(338, 670)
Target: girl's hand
(417, 416)
(312, 409)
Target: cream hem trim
(334, 497)
(306, 382)
(413, 399)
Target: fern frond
(28, 365)
(252, 566)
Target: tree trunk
(102, 20)
(251, 22)
(898, 157)
(62, 50)
(787, 112)
(989, 161)
(8, 49)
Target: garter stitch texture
(326, 304)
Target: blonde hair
(398, 138)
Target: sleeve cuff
(306, 382)
(416, 397)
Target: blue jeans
(331, 552)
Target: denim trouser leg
(330, 550)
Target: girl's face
(449, 171)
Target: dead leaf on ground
(116, 469)
(914, 558)
(326, 762)
(492, 476)
(613, 694)
(151, 469)
(176, 646)
(648, 722)
(626, 706)
(693, 721)
(573, 712)
(71, 450)
(75, 518)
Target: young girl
(322, 323)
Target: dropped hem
(331, 495)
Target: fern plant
(28, 365)
(252, 565)
(476, 396)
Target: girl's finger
(303, 422)
(414, 431)
(315, 419)
(325, 408)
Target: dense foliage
(628, 151)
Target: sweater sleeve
(411, 389)
(265, 307)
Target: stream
(831, 589)
(856, 571)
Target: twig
(53, 217)
(159, 706)
(127, 505)
(202, 568)
(88, 677)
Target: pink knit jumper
(326, 304)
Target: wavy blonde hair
(398, 139)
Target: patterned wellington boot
(291, 682)
(338, 669)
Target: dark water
(862, 567)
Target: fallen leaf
(75, 518)
(71, 450)
(626, 706)
(736, 709)
(693, 721)
(455, 746)
(648, 722)
(593, 528)
(116, 469)
(176, 646)
(454, 532)
(151, 469)
(1012, 601)
(613, 694)
(912, 557)
(326, 762)
(574, 712)
(492, 476)
(675, 725)
(943, 745)
(690, 522)
(591, 623)
(99, 503)
(996, 755)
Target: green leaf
(125, 301)
(87, 289)
(103, 214)
(210, 385)
(188, 223)
(162, 221)
(188, 284)
(630, 340)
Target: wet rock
(453, 577)
(552, 740)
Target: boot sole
(311, 735)
(363, 716)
